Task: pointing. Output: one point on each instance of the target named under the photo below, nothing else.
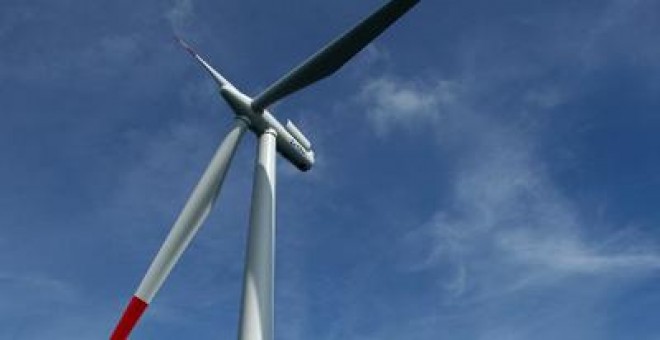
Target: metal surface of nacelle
(290, 142)
(298, 135)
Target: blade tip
(185, 45)
(129, 319)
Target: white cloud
(393, 103)
(507, 232)
(508, 225)
(571, 255)
(180, 14)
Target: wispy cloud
(506, 228)
(397, 103)
(608, 36)
(504, 202)
(180, 14)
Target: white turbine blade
(215, 74)
(187, 224)
(333, 56)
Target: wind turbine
(257, 309)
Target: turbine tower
(257, 309)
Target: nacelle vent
(293, 130)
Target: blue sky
(485, 170)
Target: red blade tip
(128, 320)
(185, 45)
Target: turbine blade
(215, 74)
(333, 56)
(187, 224)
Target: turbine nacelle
(291, 143)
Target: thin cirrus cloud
(507, 228)
(502, 194)
(180, 14)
